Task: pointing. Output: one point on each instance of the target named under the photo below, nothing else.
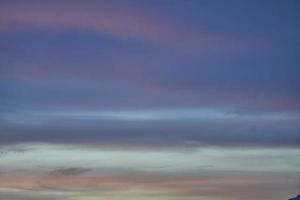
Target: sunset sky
(149, 99)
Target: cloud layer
(93, 172)
(137, 99)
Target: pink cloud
(121, 22)
(248, 186)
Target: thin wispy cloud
(124, 22)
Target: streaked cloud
(186, 127)
(143, 100)
(213, 173)
(69, 171)
(125, 22)
(209, 158)
(169, 114)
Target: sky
(149, 99)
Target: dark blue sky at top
(128, 56)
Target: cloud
(8, 150)
(213, 173)
(124, 22)
(158, 187)
(186, 127)
(71, 171)
(112, 159)
(23, 194)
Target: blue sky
(164, 76)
